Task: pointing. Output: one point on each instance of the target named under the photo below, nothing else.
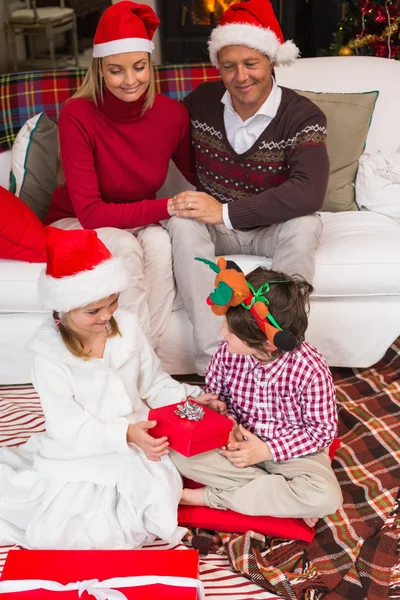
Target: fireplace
(186, 27)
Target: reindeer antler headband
(232, 289)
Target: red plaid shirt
(289, 403)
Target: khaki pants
(291, 246)
(146, 252)
(303, 487)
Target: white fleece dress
(80, 485)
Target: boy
(282, 403)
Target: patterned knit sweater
(282, 176)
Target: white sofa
(355, 310)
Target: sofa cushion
(22, 235)
(378, 183)
(348, 118)
(33, 175)
(359, 255)
(18, 286)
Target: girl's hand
(248, 452)
(213, 402)
(153, 448)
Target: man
(261, 161)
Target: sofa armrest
(5, 164)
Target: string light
(368, 39)
(390, 31)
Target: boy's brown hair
(288, 304)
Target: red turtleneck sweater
(115, 160)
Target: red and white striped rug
(21, 415)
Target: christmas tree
(369, 28)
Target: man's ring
(190, 206)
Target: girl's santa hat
(125, 27)
(80, 270)
(252, 24)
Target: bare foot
(311, 522)
(193, 497)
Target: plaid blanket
(354, 553)
(23, 95)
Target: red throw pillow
(230, 521)
(205, 517)
(22, 235)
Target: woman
(117, 137)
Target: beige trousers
(303, 487)
(148, 260)
(290, 245)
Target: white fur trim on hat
(124, 45)
(258, 38)
(76, 291)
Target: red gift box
(190, 437)
(70, 566)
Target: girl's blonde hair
(92, 88)
(73, 341)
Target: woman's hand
(153, 448)
(213, 402)
(250, 451)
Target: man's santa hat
(252, 24)
(80, 270)
(125, 27)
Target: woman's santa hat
(80, 270)
(252, 24)
(125, 27)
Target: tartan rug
(355, 554)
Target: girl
(96, 478)
(117, 137)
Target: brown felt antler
(232, 289)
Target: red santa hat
(252, 24)
(80, 270)
(125, 27)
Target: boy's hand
(248, 452)
(153, 448)
(235, 435)
(213, 402)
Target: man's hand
(196, 205)
(248, 452)
(153, 448)
(213, 402)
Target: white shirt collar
(269, 108)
